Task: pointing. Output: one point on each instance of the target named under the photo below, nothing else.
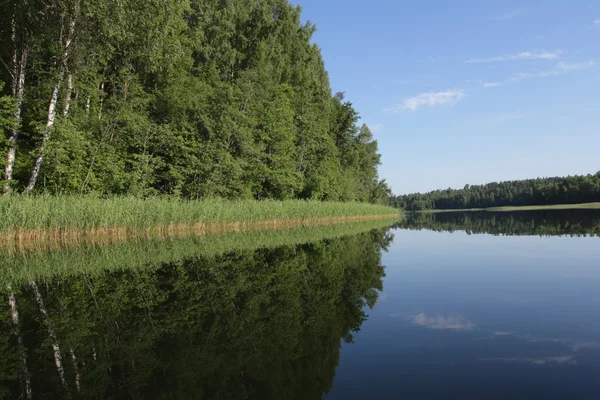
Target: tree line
(542, 191)
(191, 98)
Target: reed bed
(99, 257)
(24, 218)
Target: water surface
(478, 305)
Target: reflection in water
(277, 316)
(543, 223)
(513, 315)
(256, 324)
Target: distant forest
(190, 98)
(541, 191)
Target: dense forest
(191, 98)
(541, 191)
(248, 324)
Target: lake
(453, 305)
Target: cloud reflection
(450, 322)
(559, 360)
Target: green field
(50, 217)
(585, 206)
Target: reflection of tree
(544, 223)
(250, 324)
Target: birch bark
(14, 316)
(19, 67)
(35, 172)
(55, 347)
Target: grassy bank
(585, 206)
(19, 265)
(50, 217)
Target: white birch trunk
(87, 105)
(51, 112)
(14, 316)
(101, 101)
(35, 172)
(68, 95)
(19, 66)
(51, 333)
(76, 369)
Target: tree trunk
(19, 67)
(101, 101)
(51, 333)
(49, 125)
(14, 316)
(68, 95)
(51, 111)
(76, 369)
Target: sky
(468, 92)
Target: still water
(442, 306)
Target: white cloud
(491, 84)
(566, 67)
(597, 21)
(524, 55)
(560, 69)
(511, 14)
(451, 322)
(375, 127)
(430, 99)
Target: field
(26, 218)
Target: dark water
(474, 306)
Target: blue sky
(464, 92)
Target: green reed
(86, 213)
(93, 259)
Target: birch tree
(14, 316)
(67, 26)
(17, 68)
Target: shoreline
(582, 206)
(64, 237)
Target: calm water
(448, 306)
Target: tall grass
(85, 214)
(91, 258)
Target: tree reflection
(262, 324)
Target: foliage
(6, 111)
(541, 191)
(190, 98)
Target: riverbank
(584, 206)
(65, 218)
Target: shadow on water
(256, 323)
(522, 223)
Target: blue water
(480, 316)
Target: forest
(530, 192)
(188, 98)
